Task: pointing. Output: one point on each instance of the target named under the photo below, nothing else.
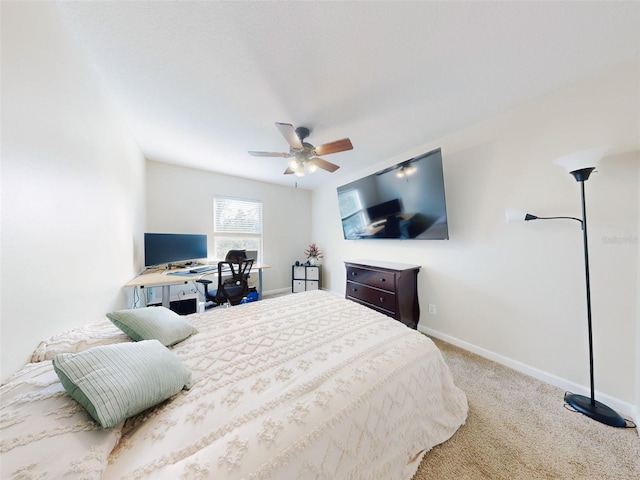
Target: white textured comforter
(304, 386)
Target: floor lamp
(580, 165)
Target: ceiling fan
(304, 156)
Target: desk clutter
(194, 272)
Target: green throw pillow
(150, 323)
(115, 382)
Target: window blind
(232, 215)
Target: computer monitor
(160, 248)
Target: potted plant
(313, 254)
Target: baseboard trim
(278, 291)
(624, 408)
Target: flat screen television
(405, 201)
(160, 248)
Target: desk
(161, 278)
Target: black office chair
(235, 256)
(233, 283)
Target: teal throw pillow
(115, 382)
(150, 323)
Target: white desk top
(154, 278)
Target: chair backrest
(235, 256)
(233, 284)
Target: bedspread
(308, 385)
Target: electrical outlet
(432, 309)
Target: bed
(308, 385)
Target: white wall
(72, 186)
(180, 200)
(516, 292)
(637, 240)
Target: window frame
(240, 235)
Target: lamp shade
(580, 160)
(312, 167)
(514, 216)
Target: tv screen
(405, 201)
(162, 248)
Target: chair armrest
(204, 281)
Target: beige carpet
(518, 428)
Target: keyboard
(206, 268)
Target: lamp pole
(589, 406)
(588, 286)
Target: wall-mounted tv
(405, 201)
(160, 248)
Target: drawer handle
(383, 280)
(381, 299)
(353, 274)
(354, 290)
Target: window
(353, 217)
(237, 225)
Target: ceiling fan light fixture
(295, 164)
(305, 158)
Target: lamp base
(598, 412)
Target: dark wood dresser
(389, 288)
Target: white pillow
(45, 433)
(101, 332)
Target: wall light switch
(432, 309)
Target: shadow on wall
(468, 177)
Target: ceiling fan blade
(270, 154)
(288, 171)
(290, 135)
(323, 164)
(334, 147)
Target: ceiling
(201, 83)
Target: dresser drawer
(299, 273)
(380, 299)
(313, 273)
(374, 278)
(299, 286)
(387, 287)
